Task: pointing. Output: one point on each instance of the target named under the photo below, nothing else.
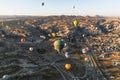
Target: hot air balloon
(73, 6)
(54, 34)
(58, 45)
(2, 35)
(87, 48)
(42, 3)
(67, 54)
(23, 40)
(84, 50)
(67, 66)
(83, 35)
(31, 49)
(75, 23)
(85, 59)
(5, 77)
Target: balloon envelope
(54, 35)
(67, 54)
(23, 40)
(42, 3)
(67, 66)
(31, 49)
(87, 48)
(73, 6)
(5, 77)
(75, 23)
(58, 45)
(83, 50)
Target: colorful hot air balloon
(23, 40)
(67, 66)
(75, 23)
(58, 45)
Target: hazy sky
(60, 7)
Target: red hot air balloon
(23, 40)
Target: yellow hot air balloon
(54, 34)
(67, 66)
(75, 23)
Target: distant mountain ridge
(13, 16)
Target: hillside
(101, 35)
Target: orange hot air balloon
(23, 40)
(67, 66)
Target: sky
(60, 7)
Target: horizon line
(57, 15)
